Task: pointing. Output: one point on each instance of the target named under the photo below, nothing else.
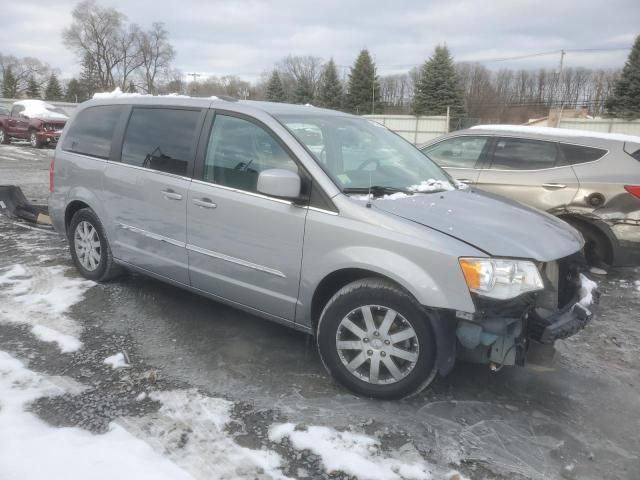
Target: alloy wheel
(377, 344)
(87, 246)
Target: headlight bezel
(501, 278)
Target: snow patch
(40, 109)
(31, 449)
(116, 361)
(431, 185)
(41, 297)
(587, 287)
(560, 132)
(353, 453)
(117, 93)
(190, 429)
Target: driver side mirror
(278, 182)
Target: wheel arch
(596, 228)
(443, 327)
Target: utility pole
(559, 112)
(194, 75)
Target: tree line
(114, 53)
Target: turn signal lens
(633, 190)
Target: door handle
(204, 202)
(171, 195)
(554, 186)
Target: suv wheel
(375, 339)
(33, 140)
(89, 247)
(4, 138)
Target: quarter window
(575, 154)
(239, 150)
(161, 139)
(91, 133)
(459, 152)
(522, 154)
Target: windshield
(358, 153)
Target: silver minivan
(322, 221)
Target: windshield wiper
(377, 190)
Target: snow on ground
(190, 427)
(116, 361)
(586, 290)
(33, 450)
(560, 132)
(354, 453)
(41, 298)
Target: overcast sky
(246, 37)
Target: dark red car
(39, 122)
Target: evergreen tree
(625, 101)
(53, 90)
(9, 84)
(438, 87)
(89, 82)
(364, 87)
(33, 89)
(304, 92)
(275, 90)
(74, 92)
(330, 90)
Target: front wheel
(33, 140)
(89, 247)
(375, 339)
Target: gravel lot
(579, 420)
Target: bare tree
(130, 51)
(156, 54)
(22, 70)
(305, 68)
(96, 31)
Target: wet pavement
(579, 420)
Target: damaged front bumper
(503, 332)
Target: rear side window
(523, 154)
(575, 154)
(91, 132)
(162, 139)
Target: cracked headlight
(501, 278)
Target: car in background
(35, 120)
(589, 179)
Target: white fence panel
(415, 129)
(608, 125)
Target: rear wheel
(4, 138)
(598, 250)
(375, 339)
(89, 247)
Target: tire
(33, 140)
(598, 250)
(86, 234)
(413, 372)
(4, 138)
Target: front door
(243, 246)
(530, 171)
(460, 156)
(147, 190)
(18, 123)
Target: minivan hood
(496, 225)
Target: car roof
(565, 135)
(223, 103)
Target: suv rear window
(523, 154)
(575, 154)
(91, 132)
(162, 139)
